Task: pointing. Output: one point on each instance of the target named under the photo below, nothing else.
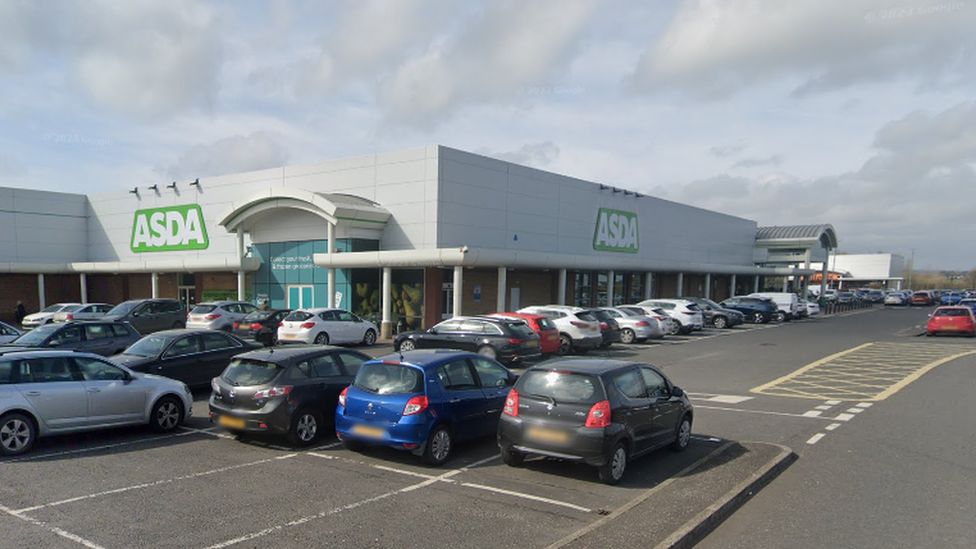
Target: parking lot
(757, 389)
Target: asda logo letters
(616, 231)
(169, 229)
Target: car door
(69, 338)
(635, 408)
(469, 335)
(215, 353)
(113, 397)
(328, 381)
(666, 409)
(329, 322)
(438, 337)
(465, 399)
(495, 381)
(54, 390)
(99, 339)
(349, 326)
(179, 360)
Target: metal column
(458, 294)
(502, 289)
(330, 272)
(681, 285)
(648, 284)
(41, 299)
(154, 283)
(610, 277)
(708, 285)
(386, 326)
(240, 263)
(561, 296)
(732, 286)
(83, 280)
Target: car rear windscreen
(71, 308)
(586, 317)
(389, 379)
(257, 316)
(951, 312)
(520, 329)
(245, 372)
(202, 309)
(561, 386)
(298, 316)
(545, 324)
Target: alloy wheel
(369, 338)
(15, 435)
(440, 445)
(167, 415)
(684, 434)
(619, 463)
(306, 428)
(565, 345)
(757, 318)
(627, 336)
(487, 351)
(407, 345)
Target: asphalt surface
(891, 468)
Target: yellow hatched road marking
(872, 371)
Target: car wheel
(757, 318)
(166, 415)
(488, 351)
(512, 458)
(407, 345)
(565, 345)
(369, 338)
(613, 470)
(627, 336)
(720, 322)
(438, 447)
(683, 435)
(304, 427)
(17, 434)
(780, 316)
(674, 327)
(322, 339)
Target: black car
(286, 391)
(101, 338)
(191, 356)
(756, 309)
(149, 315)
(506, 340)
(608, 327)
(717, 315)
(599, 412)
(260, 326)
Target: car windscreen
(244, 372)
(951, 312)
(123, 308)
(52, 308)
(298, 316)
(36, 336)
(389, 379)
(545, 324)
(202, 309)
(520, 329)
(257, 316)
(561, 386)
(149, 346)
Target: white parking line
(816, 438)
(812, 413)
(34, 457)
(822, 407)
(767, 412)
(832, 426)
(844, 417)
(348, 507)
(527, 496)
(854, 410)
(52, 529)
(864, 404)
(833, 402)
(152, 484)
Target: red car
(952, 320)
(923, 298)
(548, 333)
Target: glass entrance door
(188, 296)
(299, 296)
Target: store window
(582, 289)
(635, 287)
(602, 285)
(619, 295)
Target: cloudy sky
(860, 113)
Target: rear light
(69, 316)
(256, 326)
(237, 325)
(307, 325)
(272, 392)
(604, 326)
(511, 404)
(212, 316)
(280, 324)
(215, 386)
(579, 324)
(643, 323)
(514, 341)
(342, 397)
(415, 405)
(599, 415)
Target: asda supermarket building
(406, 238)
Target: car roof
(594, 366)
(182, 331)
(291, 352)
(26, 352)
(425, 358)
(317, 310)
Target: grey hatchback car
(150, 315)
(101, 338)
(53, 392)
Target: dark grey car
(149, 315)
(98, 337)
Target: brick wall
(535, 287)
(487, 279)
(14, 288)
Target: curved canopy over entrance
(351, 211)
(797, 236)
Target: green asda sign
(616, 231)
(169, 229)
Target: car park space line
(844, 417)
(816, 438)
(52, 529)
(34, 457)
(832, 426)
(527, 496)
(154, 483)
(767, 412)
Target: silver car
(8, 333)
(218, 315)
(636, 327)
(54, 392)
(90, 311)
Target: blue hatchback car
(423, 401)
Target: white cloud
(238, 153)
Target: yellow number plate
(230, 422)
(533, 343)
(367, 431)
(546, 435)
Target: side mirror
(677, 391)
(431, 331)
(135, 314)
(56, 342)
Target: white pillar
(330, 272)
(755, 283)
(83, 280)
(806, 277)
(502, 289)
(681, 285)
(386, 326)
(732, 286)
(458, 293)
(154, 282)
(786, 283)
(708, 285)
(823, 272)
(561, 295)
(648, 284)
(241, 277)
(610, 277)
(41, 299)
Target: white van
(787, 303)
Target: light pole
(911, 269)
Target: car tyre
(758, 318)
(780, 316)
(305, 427)
(369, 338)
(682, 435)
(627, 336)
(488, 351)
(407, 345)
(166, 414)
(17, 434)
(565, 345)
(613, 470)
(322, 339)
(437, 449)
(720, 322)
(512, 458)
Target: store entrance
(299, 296)
(188, 296)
